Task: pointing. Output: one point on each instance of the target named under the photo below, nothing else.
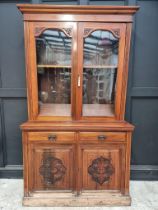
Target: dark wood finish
(75, 154)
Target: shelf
(55, 110)
(52, 66)
(88, 110)
(100, 67)
(98, 110)
(60, 66)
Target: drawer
(102, 136)
(52, 136)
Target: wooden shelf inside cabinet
(52, 66)
(99, 67)
(55, 110)
(86, 67)
(98, 110)
(88, 110)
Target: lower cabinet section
(78, 163)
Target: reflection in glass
(99, 73)
(53, 50)
(53, 47)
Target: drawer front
(102, 136)
(56, 137)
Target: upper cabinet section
(77, 61)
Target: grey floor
(144, 197)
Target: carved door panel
(51, 167)
(102, 167)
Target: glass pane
(99, 73)
(53, 49)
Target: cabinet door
(102, 166)
(100, 70)
(51, 61)
(51, 166)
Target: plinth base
(85, 199)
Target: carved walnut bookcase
(76, 144)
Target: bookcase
(76, 143)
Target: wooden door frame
(34, 29)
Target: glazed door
(52, 56)
(100, 70)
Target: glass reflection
(53, 47)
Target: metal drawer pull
(101, 137)
(52, 138)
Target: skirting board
(86, 199)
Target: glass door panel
(53, 50)
(99, 73)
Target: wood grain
(90, 153)
(25, 163)
(103, 110)
(77, 126)
(63, 137)
(104, 198)
(55, 110)
(26, 8)
(109, 136)
(63, 153)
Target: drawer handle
(101, 137)
(52, 138)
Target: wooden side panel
(51, 167)
(128, 160)
(125, 72)
(25, 163)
